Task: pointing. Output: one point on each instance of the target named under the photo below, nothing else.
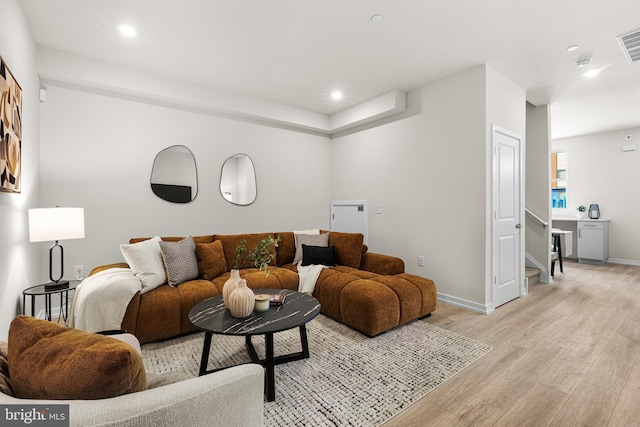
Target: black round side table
(38, 290)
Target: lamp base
(55, 286)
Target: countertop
(574, 219)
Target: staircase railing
(536, 217)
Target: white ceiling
(296, 52)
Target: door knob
(518, 226)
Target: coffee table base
(268, 362)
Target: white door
(350, 217)
(507, 212)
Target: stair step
(533, 274)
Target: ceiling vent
(630, 44)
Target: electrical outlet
(379, 209)
(420, 261)
(79, 272)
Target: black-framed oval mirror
(174, 176)
(238, 180)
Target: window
(559, 165)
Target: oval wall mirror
(174, 176)
(238, 180)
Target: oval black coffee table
(212, 317)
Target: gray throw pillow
(180, 260)
(309, 240)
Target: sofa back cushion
(50, 361)
(286, 248)
(231, 241)
(5, 381)
(349, 248)
(196, 239)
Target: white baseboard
(624, 261)
(56, 313)
(545, 274)
(463, 303)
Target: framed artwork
(10, 131)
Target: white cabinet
(593, 241)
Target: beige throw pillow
(309, 240)
(145, 260)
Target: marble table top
(211, 315)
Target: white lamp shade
(49, 224)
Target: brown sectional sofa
(366, 291)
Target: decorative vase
(241, 300)
(230, 285)
(580, 215)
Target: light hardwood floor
(565, 355)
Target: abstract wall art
(10, 130)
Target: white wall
(97, 153)
(429, 174)
(19, 259)
(506, 104)
(599, 172)
(538, 183)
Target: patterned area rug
(349, 380)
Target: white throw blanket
(101, 300)
(308, 275)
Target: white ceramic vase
(230, 285)
(241, 300)
(580, 215)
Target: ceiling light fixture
(336, 94)
(583, 62)
(572, 48)
(377, 18)
(128, 30)
(591, 73)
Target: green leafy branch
(260, 257)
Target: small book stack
(277, 299)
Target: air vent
(630, 44)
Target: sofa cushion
(180, 260)
(211, 261)
(286, 250)
(198, 239)
(230, 243)
(318, 255)
(158, 314)
(145, 260)
(5, 381)
(349, 247)
(309, 240)
(50, 361)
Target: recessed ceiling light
(591, 73)
(336, 94)
(128, 30)
(583, 62)
(572, 48)
(377, 18)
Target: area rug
(349, 380)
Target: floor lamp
(56, 224)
